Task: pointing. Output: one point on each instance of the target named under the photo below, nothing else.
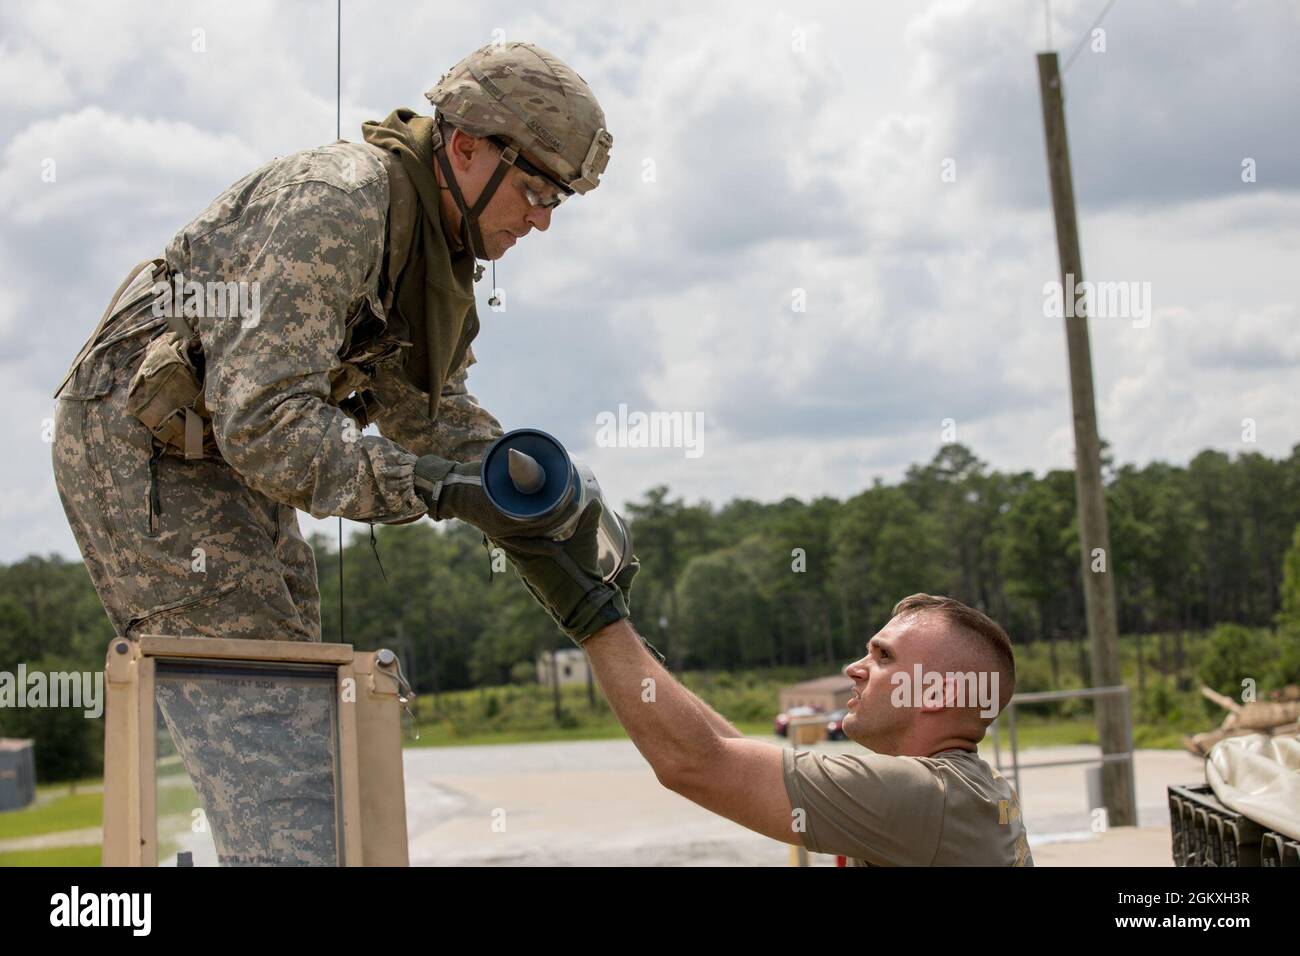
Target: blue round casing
(548, 452)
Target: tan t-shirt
(951, 809)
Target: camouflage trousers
(260, 752)
(217, 559)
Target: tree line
(797, 583)
(791, 583)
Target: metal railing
(1124, 756)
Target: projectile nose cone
(525, 472)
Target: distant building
(17, 773)
(823, 694)
(571, 662)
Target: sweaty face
(873, 721)
(509, 215)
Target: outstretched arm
(692, 750)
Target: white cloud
(31, 80)
(775, 170)
(102, 162)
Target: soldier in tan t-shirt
(931, 682)
(949, 809)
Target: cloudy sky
(762, 158)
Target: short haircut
(987, 631)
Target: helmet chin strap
(471, 236)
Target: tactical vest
(166, 391)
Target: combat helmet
(523, 99)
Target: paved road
(587, 803)
(598, 803)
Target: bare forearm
(671, 727)
(720, 724)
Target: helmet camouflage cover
(533, 99)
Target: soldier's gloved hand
(455, 490)
(624, 580)
(564, 577)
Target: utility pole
(1094, 535)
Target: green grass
(440, 734)
(69, 786)
(58, 856)
(61, 813)
(527, 713)
(1037, 732)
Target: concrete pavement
(597, 803)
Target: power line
(338, 74)
(338, 134)
(1086, 34)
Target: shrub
(1233, 654)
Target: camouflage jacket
(309, 229)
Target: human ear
(462, 149)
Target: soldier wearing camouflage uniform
(359, 262)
